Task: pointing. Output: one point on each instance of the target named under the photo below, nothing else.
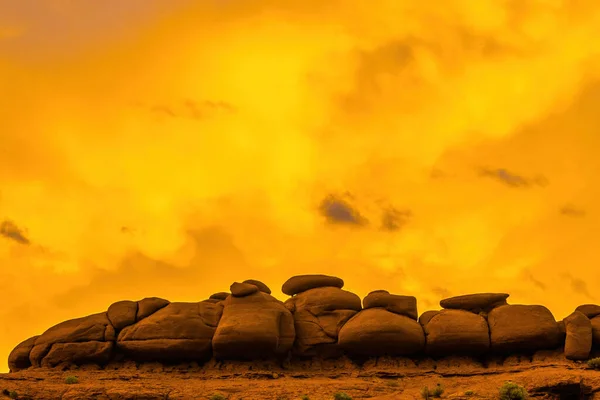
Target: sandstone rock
(378, 332)
(177, 332)
(318, 315)
(219, 296)
(261, 286)
(515, 328)
(402, 305)
(589, 310)
(596, 331)
(578, 342)
(253, 327)
(426, 317)
(300, 283)
(149, 306)
(457, 333)
(93, 328)
(78, 353)
(18, 359)
(475, 302)
(122, 314)
(242, 289)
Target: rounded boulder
(301, 283)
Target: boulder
(301, 283)
(93, 328)
(149, 306)
(319, 315)
(578, 342)
(18, 359)
(177, 332)
(377, 332)
(122, 313)
(243, 289)
(528, 328)
(401, 305)
(255, 326)
(589, 310)
(426, 317)
(261, 286)
(79, 353)
(456, 333)
(479, 302)
(219, 296)
(596, 331)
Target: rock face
(479, 302)
(377, 332)
(319, 320)
(578, 342)
(401, 305)
(319, 314)
(457, 332)
(177, 332)
(301, 283)
(82, 340)
(515, 328)
(254, 325)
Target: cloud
(393, 219)
(570, 210)
(511, 179)
(337, 210)
(10, 230)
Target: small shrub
(217, 396)
(393, 383)
(594, 363)
(437, 391)
(425, 393)
(469, 393)
(342, 396)
(13, 395)
(512, 391)
(305, 397)
(70, 380)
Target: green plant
(13, 395)
(69, 380)
(594, 363)
(217, 396)
(469, 393)
(393, 383)
(435, 392)
(342, 396)
(305, 397)
(512, 391)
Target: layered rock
(319, 313)
(516, 328)
(476, 303)
(457, 332)
(82, 340)
(177, 332)
(254, 325)
(386, 326)
(578, 342)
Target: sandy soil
(319, 380)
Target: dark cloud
(10, 230)
(529, 276)
(394, 219)
(570, 210)
(339, 211)
(579, 286)
(189, 108)
(443, 293)
(512, 179)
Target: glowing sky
(168, 148)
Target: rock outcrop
(320, 319)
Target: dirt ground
(319, 380)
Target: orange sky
(171, 149)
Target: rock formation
(320, 319)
